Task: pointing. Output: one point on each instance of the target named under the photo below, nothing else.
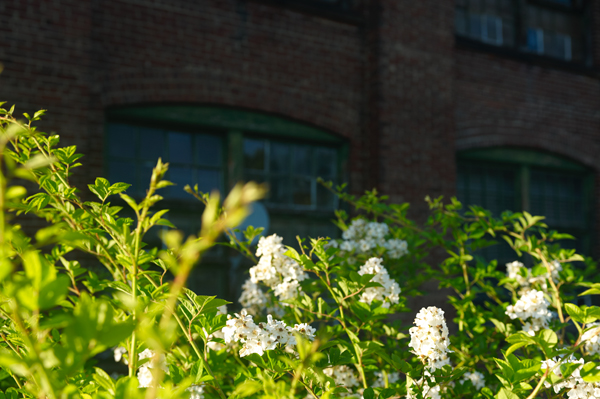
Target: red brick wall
(395, 85)
(76, 58)
(503, 102)
(415, 112)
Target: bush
(317, 321)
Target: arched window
(520, 179)
(215, 148)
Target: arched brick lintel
(156, 87)
(563, 145)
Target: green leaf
(590, 372)
(575, 312)
(104, 380)
(130, 201)
(209, 303)
(54, 292)
(506, 393)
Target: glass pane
(121, 140)
(326, 160)
(280, 158)
(325, 198)
(145, 174)
(254, 154)
(208, 150)
(255, 177)
(301, 194)
(181, 176)
(559, 197)
(152, 144)
(302, 161)
(279, 190)
(490, 187)
(122, 171)
(208, 180)
(180, 148)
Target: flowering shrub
(323, 320)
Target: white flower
(362, 236)
(306, 330)
(577, 387)
(253, 298)
(523, 276)
(532, 309)
(276, 270)
(433, 392)
(262, 337)
(429, 339)
(476, 378)
(392, 377)
(144, 376)
(118, 353)
(388, 293)
(396, 248)
(222, 310)
(144, 372)
(342, 375)
(591, 339)
(196, 391)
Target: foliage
(323, 320)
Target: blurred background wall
(496, 101)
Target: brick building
(496, 100)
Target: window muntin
(194, 158)
(291, 170)
(552, 28)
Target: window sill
(529, 58)
(314, 7)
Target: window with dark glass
(551, 28)
(517, 180)
(215, 148)
(193, 157)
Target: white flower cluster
(253, 299)
(388, 293)
(118, 353)
(196, 391)
(362, 236)
(144, 373)
(532, 309)
(277, 271)
(429, 339)
(577, 387)
(591, 339)
(428, 392)
(517, 270)
(476, 378)
(258, 338)
(343, 376)
(392, 378)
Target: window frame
(233, 124)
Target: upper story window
(551, 28)
(502, 179)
